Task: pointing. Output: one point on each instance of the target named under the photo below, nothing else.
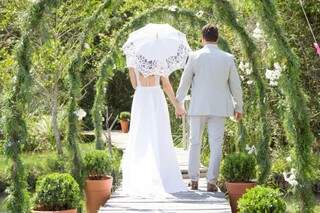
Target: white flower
(257, 32)
(288, 159)
(249, 82)
(274, 75)
(80, 114)
(251, 150)
(277, 66)
(241, 66)
(293, 183)
(290, 177)
(14, 79)
(86, 46)
(199, 14)
(273, 83)
(249, 71)
(245, 67)
(173, 8)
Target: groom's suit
(215, 94)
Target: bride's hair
(210, 33)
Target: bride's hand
(180, 110)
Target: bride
(149, 164)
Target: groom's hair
(210, 33)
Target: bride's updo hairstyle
(210, 33)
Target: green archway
(297, 122)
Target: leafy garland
(15, 127)
(105, 71)
(75, 94)
(177, 13)
(99, 101)
(227, 15)
(297, 120)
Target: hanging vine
(297, 121)
(15, 127)
(227, 15)
(99, 101)
(74, 93)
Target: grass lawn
(29, 158)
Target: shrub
(97, 164)
(58, 164)
(276, 178)
(124, 116)
(239, 167)
(57, 192)
(262, 199)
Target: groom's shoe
(212, 187)
(194, 185)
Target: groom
(215, 95)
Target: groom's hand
(238, 116)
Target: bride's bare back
(138, 79)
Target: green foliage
(124, 116)
(238, 167)
(57, 164)
(227, 15)
(15, 128)
(99, 101)
(56, 192)
(98, 164)
(262, 199)
(40, 137)
(297, 120)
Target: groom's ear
(202, 41)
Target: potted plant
(98, 185)
(124, 119)
(57, 192)
(238, 170)
(262, 199)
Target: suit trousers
(216, 134)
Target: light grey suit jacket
(216, 87)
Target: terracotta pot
(235, 191)
(62, 211)
(97, 193)
(124, 126)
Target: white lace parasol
(156, 49)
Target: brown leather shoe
(212, 187)
(194, 185)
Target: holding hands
(180, 109)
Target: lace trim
(155, 67)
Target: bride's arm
(133, 78)
(167, 88)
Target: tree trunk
(54, 119)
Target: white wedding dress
(149, 164)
